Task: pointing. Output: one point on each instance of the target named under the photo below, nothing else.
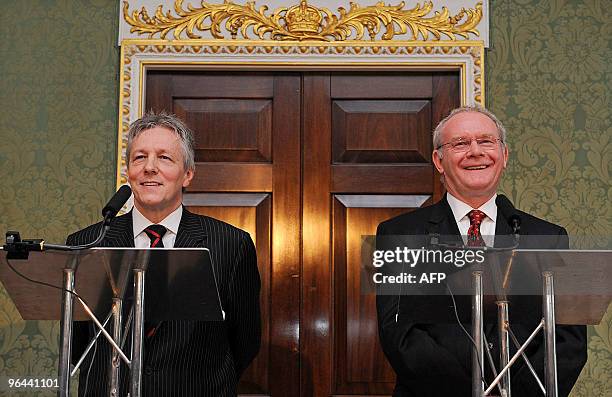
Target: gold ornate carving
(305, 22)
(303, 19)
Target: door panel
(249, 212)
(367, 157)
(246, 125)
(381, 178)
(232, 177)
(379, 131)
(381, 85)
(356, 331)
(247, 144)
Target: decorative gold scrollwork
(305, 22)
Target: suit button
(148, 371)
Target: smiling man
(158, 171)
(471, 154)
(181, 358)
(431, 360)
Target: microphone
(116, 202)
(510, 213)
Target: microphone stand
(20, 249)
(502, 379)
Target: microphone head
(116, 202)
(504, 203)
(509, 212)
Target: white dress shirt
(171, 223)
(461, 210)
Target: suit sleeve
(414, 354)
(571, 343)
(244, 317)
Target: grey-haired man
(470, 152)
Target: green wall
(548, 79)
(58, 131)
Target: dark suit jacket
(188, 358)
(435, 359)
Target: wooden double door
(307, 163)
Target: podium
(575, 288)
(530, 287)
(102, 281)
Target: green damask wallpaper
(550, 81)
(58, 94)
(548, 78)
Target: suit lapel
(501, 225)
(443, 222)
(504, 236)
(121, 233)
(190, 233)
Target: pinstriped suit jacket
(187, 358)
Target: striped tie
(156, 233)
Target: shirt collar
(171, 222)
(461, 209)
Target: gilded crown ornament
(303, 18)
(305, 22)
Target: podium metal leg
(550, 359)
(66, 335)
(527, 362)
(514, 358)
(90, 345)
(477, 334)
(115, 364)
(137, 335)
(504, 345)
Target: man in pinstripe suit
(181, 358)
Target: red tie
(156, 233)
(474, 236)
